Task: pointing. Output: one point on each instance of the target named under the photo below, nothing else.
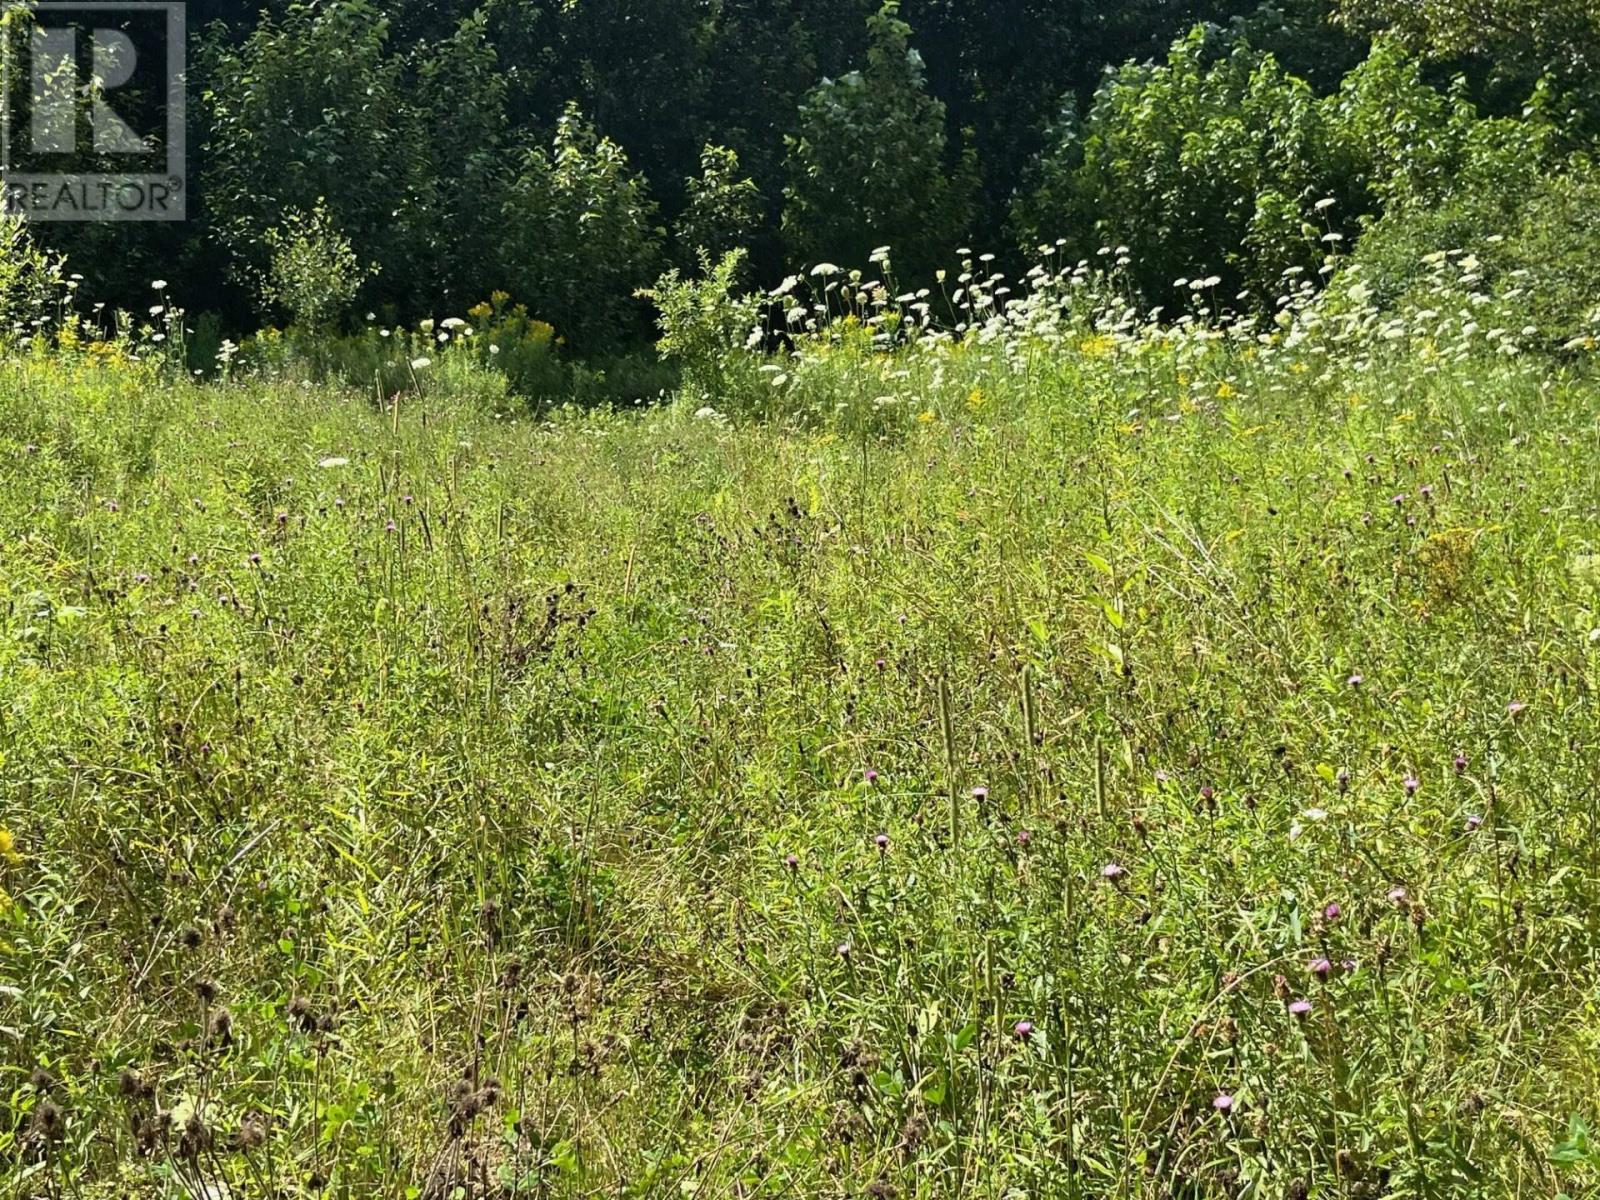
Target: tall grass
(1057, 762)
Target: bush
(580, 235)
(705, 328)
(723, 209)
(526, 351)
(312, 271)
(30, 279)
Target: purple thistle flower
(1300, 1008)
(870, 775)
(1162, 777)
(1474, 821)
(1398, 896)
(1356, 679)
(1208, 793)
(1023, 1030)
(1343, 779)
(141, 577)
(881, 664)
(390, 527)
(1412, 784)
(1515, 707)
(255, 560)
(1024, 836)
(882, 843)
(1399, 500)
(980, 793)
(1461, 763)
(843, 949)
(1112, 871)
(792, 861)
(1222, 1102)
(1332, 912)
(1321, 968)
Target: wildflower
(1398, 896)
(1222, 1102)
(1356, 680)
(1300, 1008)
(980, 794)
(843, 950)
(1332, 912)
(47, 1121)
(1112, 871)
(870, 775)
(1474, 822)
(1460, 763)
(390, 526)
(1321, 968)
(1343, 780)
(1024, 836)
(1412, 783)
(255, 559)
(882, 842)
(1514, 708)
(1023, 1030)
(1208, 793)
(792, 861)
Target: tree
(1212, 163)
(723, 209)
(311, 107)
(869, 164)
(579, 235)
(1561, 37)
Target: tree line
(567, 152)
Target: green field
(945, 780)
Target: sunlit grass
(1112, 768)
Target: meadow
(1044, 760)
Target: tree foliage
(870, 163)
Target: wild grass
(1089, 770)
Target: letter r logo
(56, 92)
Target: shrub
(580, 234)
(705, 327)
(723, 209)
(30, 279)
(526, 351)
(312, 270)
